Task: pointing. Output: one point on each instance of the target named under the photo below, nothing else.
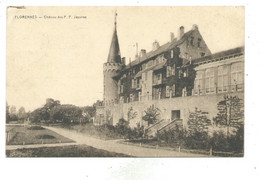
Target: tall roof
(114, 55)
(161, 49)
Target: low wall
(207, 103)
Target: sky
(63, 58)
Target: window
(138, 83)
(176, 114)
(172, 53)
(167, 91)
(199, 42)
(191, 40)
(173, 90)
(121, 99)
(222, 78)
(159, 77)
(198, 83)
(209, 80)
(180, 74)
(202, 54)
(236, 76)
(133, 83)
(170, 71)
(184, 91)
(121, 88)
(132, 97)
(185, 73)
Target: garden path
(114, 146)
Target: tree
(151, 115)
(230, 113)
(197, 136)
(40, 114)
(198, 122)
(21, 113)
(66, 113)
(123, 128)
(12, 110)
(7, 113)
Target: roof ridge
(160, 49)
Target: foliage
(131, 114)
(122, 127)
(38, 115)
(66, 114)
(35, 128)
(13, 117)
(198, 122)
(220, 142)
(197, 140)
(7, 113)
(174, 136)
(22, 114)
(53, 112)
(230, 112)
(151, 115)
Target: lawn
(35, 135)
(65, 151)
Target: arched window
(236, 76)
(222, 78)
(209, 80)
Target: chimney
(155, 45)
(143, 53)
(123, 60)
(172, 36)
(195, 27)
(181, 32)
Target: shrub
(197, 140)
(36, 128)
(45, 136)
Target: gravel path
(114, 146)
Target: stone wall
(207, 103)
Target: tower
(111, 68)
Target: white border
(145, 168)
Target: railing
(221, 89)
(196, 92)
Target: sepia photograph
(136, 81)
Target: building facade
(176, 78)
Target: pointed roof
(114, 55)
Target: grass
(65, 151)
(102, 132)
(36, 135)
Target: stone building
(175, 77)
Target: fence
(209, 152)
